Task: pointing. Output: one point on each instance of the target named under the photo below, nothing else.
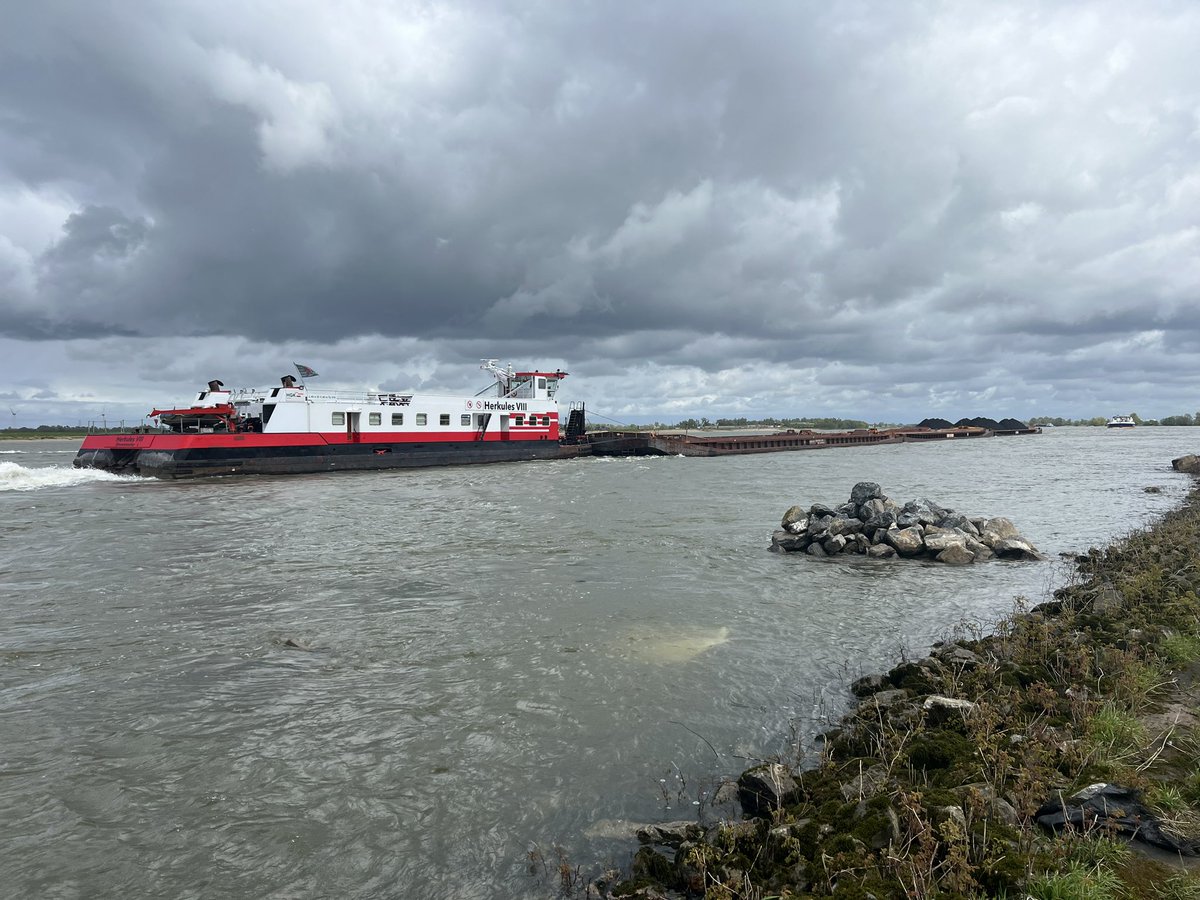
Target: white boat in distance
(1121, 422)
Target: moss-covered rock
(939, 749)
(652, 868)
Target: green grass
(1166, 799)
(1180, 887)
(1191, 788)
(1115, 733)
(1180, 649)
(1099, 852)
(1076, 883)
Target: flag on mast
(305, 371)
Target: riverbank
(965, 774)
(28, 436)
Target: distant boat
(1121, 422)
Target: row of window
(339, 418)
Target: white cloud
(296, 121)
(1021, 217)
(650, 230)
(18, 282)
(33, 220)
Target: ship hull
(172, 456)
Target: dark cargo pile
(977, 422)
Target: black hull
(208, 461)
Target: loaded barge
(643, 443)
(293, 429)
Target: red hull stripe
(223, 410)
(252, 439)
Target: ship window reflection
(339, 418)
(375, 419)
(397, 418)
(466, 419)
(421, 418)
(444, 419)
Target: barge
(293, 429)
(650, 443)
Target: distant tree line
(798, 424)
(46, 429)
(1185, 419)
(53, 430)
(826, 423)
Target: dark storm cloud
(862, 197)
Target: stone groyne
(871, 524)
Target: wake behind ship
(293, 429)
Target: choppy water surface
(502, 659)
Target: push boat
(293, 429)
(1121, 422)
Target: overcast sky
(882, 211)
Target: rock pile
(872, 525)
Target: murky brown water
(500, 659)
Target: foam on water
(15, 477)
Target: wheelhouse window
(375, 418)
(422, 418)
(444, 419)
(397, 418)
(465, 419)
(339, 418)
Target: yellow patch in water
(677, 646)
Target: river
(493, 661)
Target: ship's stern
(120, 453)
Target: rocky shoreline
(1058, 756)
